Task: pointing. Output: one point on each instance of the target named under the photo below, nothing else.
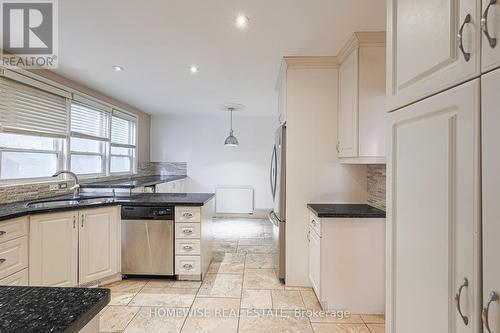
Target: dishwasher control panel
(150, 213)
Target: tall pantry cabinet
(443, 160)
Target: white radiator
(234, 200)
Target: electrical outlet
(56, 187)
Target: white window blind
(89, 122)
(26, 109)
(123, 130)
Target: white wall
(199, 141)
(314, 173)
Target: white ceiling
(157, 40)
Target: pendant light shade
(231, 140)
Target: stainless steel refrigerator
(278, 189)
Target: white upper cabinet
(361, 128)
(490, 25)
(99, 237)
(433, 215)
(491, 199)
(423, 52)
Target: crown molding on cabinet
(306, 62)
(358, 39)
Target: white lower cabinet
(54, 249)
(74, 248)
(491, 200)
(346, 263)
(99, 244)
(433, 215)
(20, 278)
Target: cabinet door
(423, 54)
(315, 261)
(99, 241)
(491, 194)
(348, 107)
(491, 35)
(433, 213)
(53, 249)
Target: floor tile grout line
(241, 293)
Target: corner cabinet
(74, 248)
(424, 56)
(361, 109)
(433, 243)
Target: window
(23, 156)
(44, 129)
(33, 125)
(123, 143)
(89, 138)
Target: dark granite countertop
(346, 211)
(18, 209)
(42, 309)
(133, 182)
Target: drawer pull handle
(187, 247)
(313, 222)
(2, 260)
(2, 232)
(486, 311)
(458, 295)
(187, 266)
(187, 215)
(460, 39)
(187, 231)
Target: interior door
(53, 260)
(98, 243)
(491, 198)
(490, 24)
(424, 57)
(433, 214)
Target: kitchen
(237, 170)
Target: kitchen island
(41, 309)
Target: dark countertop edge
(117, 201)
(116, 183)
(87, 317)
(380, 214)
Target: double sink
(53, 203)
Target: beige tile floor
(240, 294)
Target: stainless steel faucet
(76, 187)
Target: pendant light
(231, 140)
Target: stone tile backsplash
(12, 193)
(376, 176)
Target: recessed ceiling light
(241, 21)
(118, 68)
(193, 69)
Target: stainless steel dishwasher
(147, 240)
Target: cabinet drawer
(187, 246)
(13, 256)
(187, 230)
(315, 223)
(187, 214)
(20, 278)
(187, 265)
(14, 228)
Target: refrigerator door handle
(274, 219)
(272, 173)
